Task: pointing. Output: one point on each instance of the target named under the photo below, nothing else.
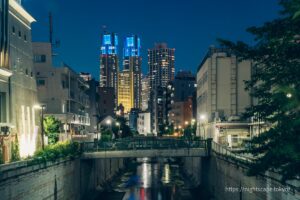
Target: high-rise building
(145, 94)
(161, 61)
(222, 98)
(181, 104)
(109, 62)
(125, 90)
(132, 61)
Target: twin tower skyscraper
(125, 83)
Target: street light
(118, 125)
(41, 107)
(289, 95)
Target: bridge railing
(142, 144)
(223, 151)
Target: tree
(276, 86)
(51, 128)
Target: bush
(56, 151)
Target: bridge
(146, 147)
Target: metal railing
(223, 151)
(142, 144)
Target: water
(160, 179)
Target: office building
(109, 63)
(125, 90)
(145, 93)
(132, 61)
(222, 98)
(106, 101)
(161, 62)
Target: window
(13, 29)
(41, 82)
(20, 34)
(39, 58)
(25, 38)
(26, 71)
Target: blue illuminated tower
(109, 62)
(132, 61)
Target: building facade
(222, 98)
(109, 63)
(144, 123)
(62, 91)
(145, 93)
(161, 62)
(132, 61)
(106, 101)
(181, 103)
(19, 120)
(126, 90)
(93, 94)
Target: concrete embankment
(64, 179)
(225, 178)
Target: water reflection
(154, 181)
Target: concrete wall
(225, 179)
(66, 179)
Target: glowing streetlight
(202, 117)
(289, 95)
(108, 122)
(193, 121)
(186, 122)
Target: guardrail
(143, 144)
(223, 151)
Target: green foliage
(51, 127)
(15, 151)
(56, 151)
(276, 86)
(126, 131)
(106, 135)
(190, 130)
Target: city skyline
(201, 28)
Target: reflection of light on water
(166, 174)
(146, 175)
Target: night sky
(189, 26)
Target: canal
(152, 179)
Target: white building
(62, 90)
(222, 98)
(18, 95)
(144, 123)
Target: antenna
(104, 28)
